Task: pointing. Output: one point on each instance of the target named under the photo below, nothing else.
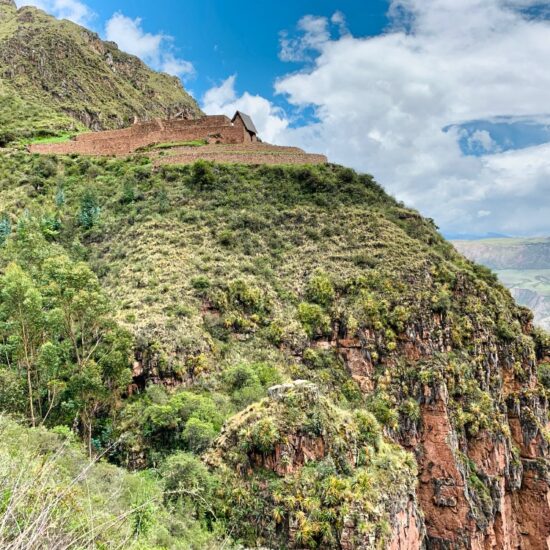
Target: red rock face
(358, 363)
(484, 492)
(288, 458)
(441, 488)
(407, 533)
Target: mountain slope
(232, 279)
(57, 76)
(523, 265)
(292, 358)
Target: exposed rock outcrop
(324, 455)
(482, 485)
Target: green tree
(89, 212)
(23, 318)
(5, 229)
(100, 351)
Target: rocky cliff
(383, 314)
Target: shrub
(368, 428)
(383, 410)
(128, 192)
(188, 482)
(200, 282)
(320, 289)
(441, 302)
(45, 167)
(202, 174)
(5, 229)
(263, 436)
(89, 212)
(314, 320)
(248, 383)
(544, 375)
(246, 297)
(198, 435)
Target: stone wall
(215, 129)
(242, 153)
(227, 142)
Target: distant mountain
(523, 265)
(57, 76)
(473, 236)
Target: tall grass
(52, 497)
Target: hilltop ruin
(181, 141)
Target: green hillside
(221, 281)
(241, 356)
(58, 77)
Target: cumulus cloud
(314, 35)
(269, 120)
(75, 11)
(155, 49)
(393, 105)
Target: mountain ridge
(522, 264)
(65, 78)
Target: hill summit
(58, 76)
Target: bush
(198, 435)
(248, 383)
(128, 192)
(384, 410)
(5, 229)
(201, 282)
(263, 436)
(314, 320)
(89, 212)
(320, 289)
(246, 297)
(369, 429)
(202, 174)
(188, 481)
(544, 375)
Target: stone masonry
(226, 141)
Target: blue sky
(446, 102)
(241, 37)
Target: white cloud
(75, 11)
(315, 33)
(270, 120)
(155, 49)
(383, 103)
(482, 140)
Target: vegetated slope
(523, 265)
(54, 497)
(349, 379)
(56, 76)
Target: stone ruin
(225, 140)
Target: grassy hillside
(241, 356)
(144, 308)
(58, 77)
(53, 496)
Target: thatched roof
(248, 124)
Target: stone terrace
(228, 141)
(246, 153)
